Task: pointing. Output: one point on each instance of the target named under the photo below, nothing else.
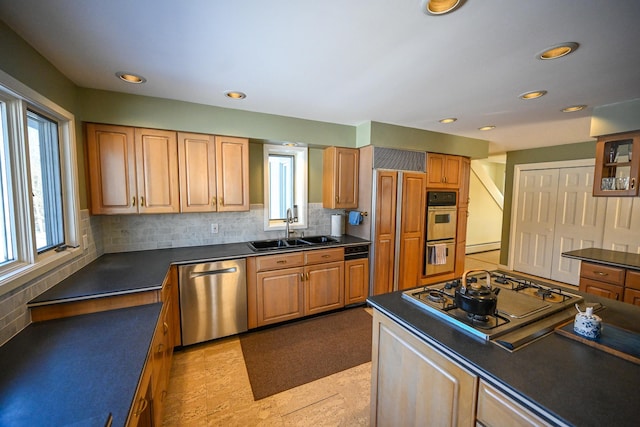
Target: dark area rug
(287, 356)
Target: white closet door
(535, 221)
(622, 229)
(579, 221)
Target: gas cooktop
(526, 308)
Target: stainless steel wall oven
(441, 232)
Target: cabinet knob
(601, 273)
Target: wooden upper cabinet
(340, 178)
(112, 169)
(443, 171)
(157, 171)
(617, 170)
(132, 170)
(232, 173)
(197, 165)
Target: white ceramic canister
(587, 324)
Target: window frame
(28, 264)
(300, 199)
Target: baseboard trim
(483, 247)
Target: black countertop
(605, 256)
(576, 384)
(126, 272)
(77, 369)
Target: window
(285, 186)
(38, 185)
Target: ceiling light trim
(130, 77)
(234, 94)
(440, 7)
(534, 94)
(488, 127)
(448, 120)
(557, 51)
(573, 108)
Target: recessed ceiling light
(490, 127)
(235, 94)
(448, 120)
(533, 95)
(439, 7)
(558, 51)
(130, 77)
(573, 108)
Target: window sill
(25, 273)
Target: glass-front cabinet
(617, 165)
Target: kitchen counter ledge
(129, 272)
(562, 380)
(77, 369)
(606, 256)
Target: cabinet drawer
(602, 289)
(602, 273)
(273, 262)
(324, 255)
(633, 279)
(632, 296)
(497, 409)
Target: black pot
(481, 300)
(477, 299)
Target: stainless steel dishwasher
(213, 300)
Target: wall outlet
(85, 242)
(214, 228)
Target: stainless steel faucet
(288, 221)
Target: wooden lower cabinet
(313, 283)
(496, 409)
(412, 384)
(279, 295)
(602, 280)
(601, 289)
(323, 287)
(356, 281)
(632, 296)
(141, 414)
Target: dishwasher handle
(213, 272)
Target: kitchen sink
(314, 240)
(273, 244)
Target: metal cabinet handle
(165, 327)
(282, 261)
(142, 405)
(213, 201)
(326, 256)
(601, 273)
(160, 348)
(133, 201)
(633, 183)
(220, 201)
(302, 277)
(307, 276)
(337, 199)
(142, 201)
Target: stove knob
(472, 279)
(449, 285)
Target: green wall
(582, 150)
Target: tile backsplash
(14, 315)
(125, 233)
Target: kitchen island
(552, 381)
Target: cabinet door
(157, 171)
(453, 168)
(412, 382)
(356, 281)
(436, 166)
(197, 167)
(340, 178)
(323, 287)
(112, 179)
(412, 223)
(232, 173)
(497, 410)
(385, 231)
(632, 296)
(602, 289)
(280, 295)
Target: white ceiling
(351, 61)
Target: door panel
(385, 231)
(410, 259)
(579, 221)
(622, 229)
(535, 221)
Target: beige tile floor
(209, 386)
